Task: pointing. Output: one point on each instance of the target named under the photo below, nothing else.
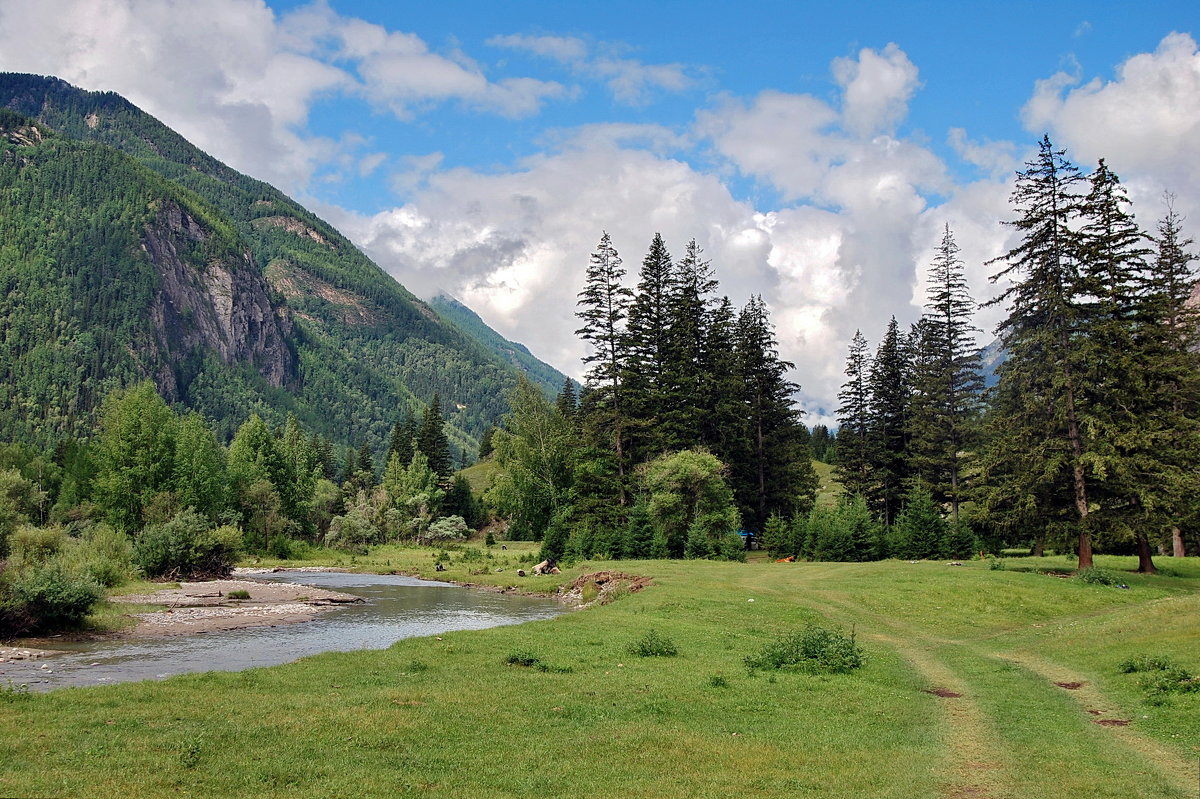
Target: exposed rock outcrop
(221, 306)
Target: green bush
(238, 593)
(32, 546)
(54, 596)
(995, 564)
(654, 645)
(1144, 663)
(1096, 577)
(815, 649)
(185, 547)
(532, 661)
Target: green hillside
(518, 355)
(358, 350)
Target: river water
(396, 607)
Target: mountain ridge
(359, 351)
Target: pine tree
(603, 306)
(682, 376)
(365, 474)
(889, 424)
(947, 383)
(567, 402)
(723, 424)
(854, 421)
(1116, 406)
(777, 474)
(431, 439)
(647, 347)
(400, 442)
(1037, 437)
(1169, 346)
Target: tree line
(1089, 438)
(684, 433)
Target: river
(396, 607)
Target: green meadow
(962, 695)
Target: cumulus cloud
(876, 88)
(1145, 122)
(239, 81)
(631, 82)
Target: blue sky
(815, 150)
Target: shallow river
(396, 607)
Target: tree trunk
(1145, 559)
(1039, 545)
(1177, 543)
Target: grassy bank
(448, 717)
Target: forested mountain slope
(518, 355)
(339, 342)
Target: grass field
(447, 717)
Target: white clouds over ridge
(861, 205)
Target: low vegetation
(961, 693)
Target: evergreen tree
(777, 475)
(1116, 408)
(947, 380)
(603, 306)
(1170, 339)
(485, 442)
(722, 410)
(854, 421)
(682, 377)
(1037, 440)
(920, 531)
(567, 402)
(647, 346)
(365, 475)
(887, 439)
(432, 441)
(400, 442)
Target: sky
(815, 151)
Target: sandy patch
(206, 606)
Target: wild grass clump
(238, 593)
(654, 645)
(995, 564)
(1096, 577)
(531, 661)
(814, 649)
(1161, 677)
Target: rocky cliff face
(221, 306)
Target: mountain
(128, 253)
(516, 354)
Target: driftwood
(547, 566)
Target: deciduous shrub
(1096, 577)
(815, 649)
(54, 596)
(185, 546)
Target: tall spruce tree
(603, 307)
(947, 383)
(683, 378)
(854, 421)
(401, 440)
(647, 346)
(777, 477)
(1171, 336)
(1116, 405)
(432, 441)
(1038, 449)
(723, 424)
(887, 439)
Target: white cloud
(876, 89)
(1145, 122)
(239, 82)
(567, 49)
(631, 82)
